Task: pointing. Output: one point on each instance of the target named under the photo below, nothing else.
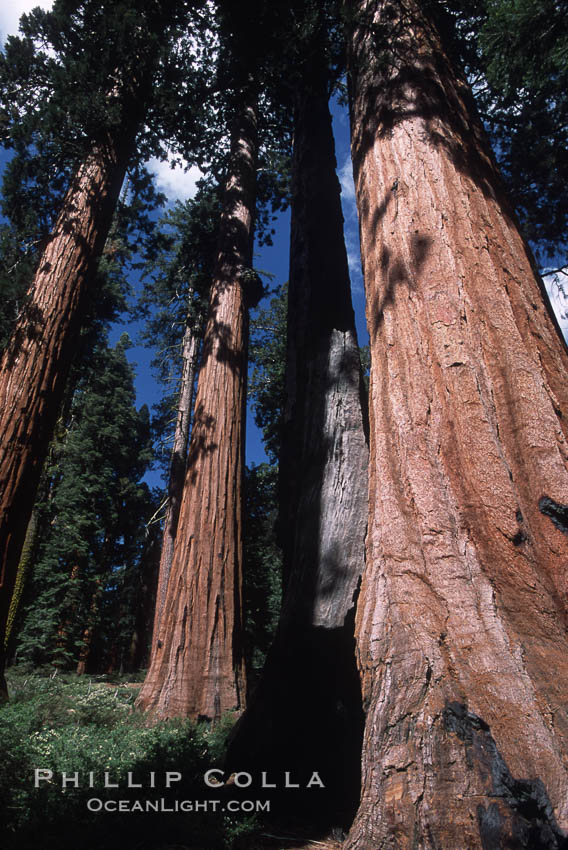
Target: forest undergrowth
(76, 725)
(71, 725)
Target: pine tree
(267, 382)
(197, 663)
(461, 617)
(196, 667)
(262, 593)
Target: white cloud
(178, 183)
(557, 288)
(12, 10)
(345, 175)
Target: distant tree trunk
(145, 604)
(36, 362)
(70, 608)
(178, 462)
(306, 713)
(89, 630)
(461, 619)
(196, 667)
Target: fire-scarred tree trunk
(196, 667)
(306, 713)
(178, 462)
(36, 362)
(461, 620)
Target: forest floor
(270, 842)
(86, 726)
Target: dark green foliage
(77, 726)
(267, 379)
(74, 75)
(263, 556)
(79, 71)
(525, 48)
(94, 517)
(263, 565)
(515, 54)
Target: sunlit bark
(461, 621)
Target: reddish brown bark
(178, 464)
(196, 667)
(461, 621)
(36, 362)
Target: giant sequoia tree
(175, 305)
(197, 663)
(461, 620)
(36, 361)
(309, 694)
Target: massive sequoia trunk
(36, 362)
(178, 463)
(196, 667)
(306, 713)
(461, 620)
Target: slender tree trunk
(24, 567)
(178, 464)
(196, 667)
(306, 714)
(89, 631)
(139, 648)
(69, 609)
(36, 362)
(461, 620)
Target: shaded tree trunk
(140, 642)
(29, 552)
(89, 631)
(196, 667)
(178, 464)
(461, 620)
(306, 713)
(36, 362)
(70, 607)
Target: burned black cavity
(557, 512)
(521, 818)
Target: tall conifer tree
(309, 694)
(461, 620)
(93, 517)
(109, 108)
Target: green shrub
(72, 725)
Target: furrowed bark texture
(306, 713)
(461, 620)
(178, 463)
(197, 667)
(36, 362)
